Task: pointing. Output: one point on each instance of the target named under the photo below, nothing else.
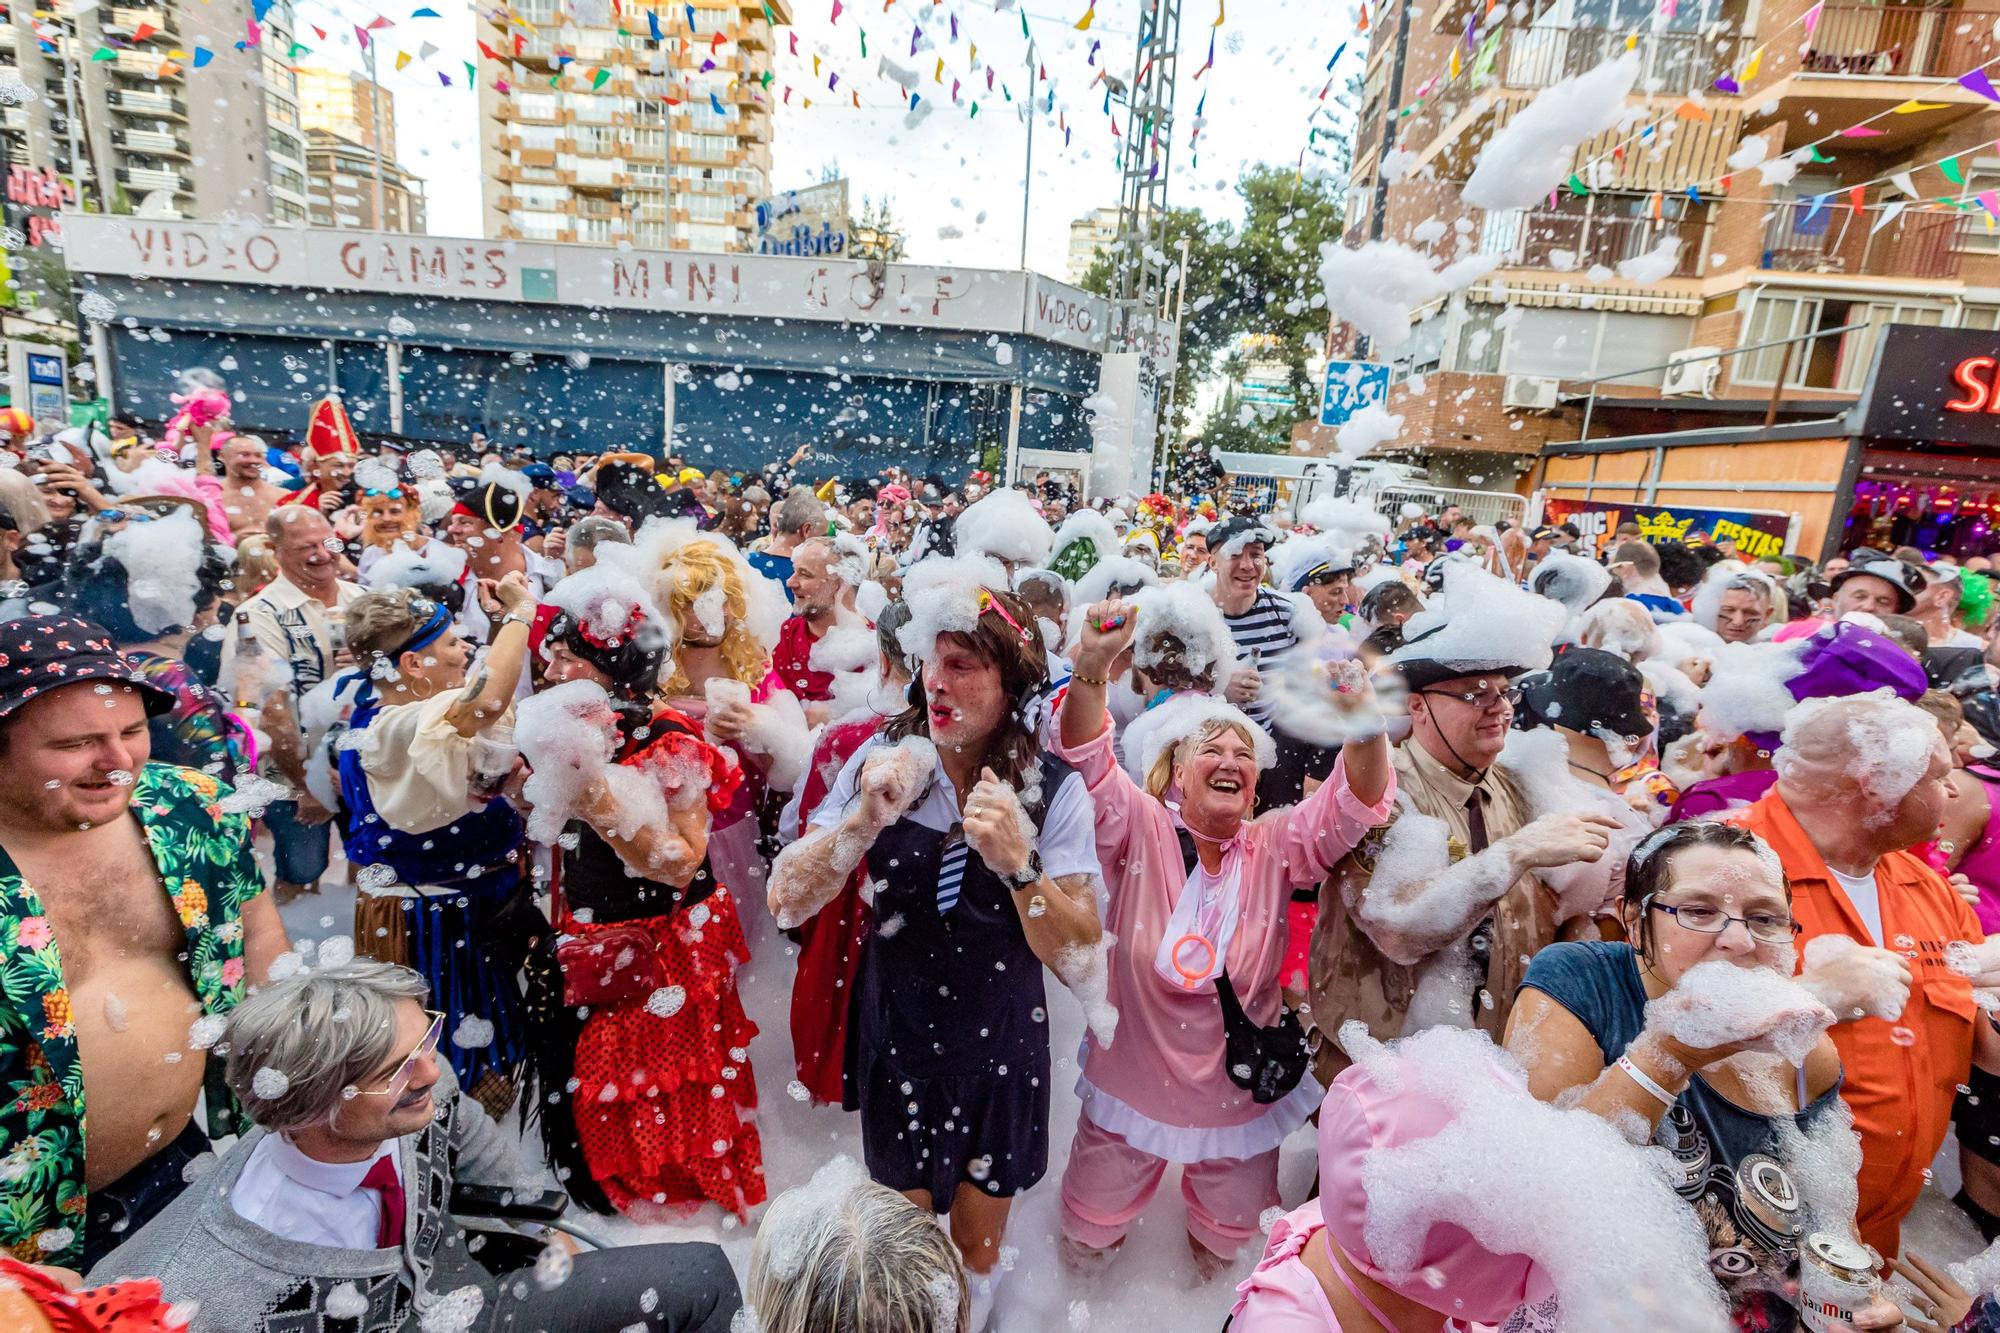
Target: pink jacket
(1166, 1060)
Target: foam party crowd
(460, 891)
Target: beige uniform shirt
(1351, 979)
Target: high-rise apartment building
(354, 186)
(142, 129)
(349, 105)
(1861, 98)
(637, 142)
(1089, 237)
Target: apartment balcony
(126, 20)
(1877, 41)
(14, 118)
(149, 141)
(148, 104)
(155, 178)
(1540, 57)
(1836, 240)
(754, 35)
(1865, 60)
(1576, 242)
(1455, 122)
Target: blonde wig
(698, 569)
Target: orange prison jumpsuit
(1901, 1095)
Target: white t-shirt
(1867, 900)
(1068, 841)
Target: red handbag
(615, 965)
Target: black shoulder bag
(1266, 1062)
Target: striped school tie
(951, 875)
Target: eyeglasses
(426, 1048)
(1706, 920)
(1484, 700)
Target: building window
(283, 210)
(1980, 317)
(536, 106)
(1978, 234)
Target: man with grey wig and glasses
(333, 1212)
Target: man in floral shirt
(131, 908)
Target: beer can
(1836, 1281)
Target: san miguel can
(1836, 1281)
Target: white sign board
(751, 286)
(38, 376)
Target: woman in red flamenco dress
(663, 1091)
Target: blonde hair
(1161, 775)
(256, 564)
(865, 1260)
(698, 567)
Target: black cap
(1906, 579)
(43, 653)
(1588, 690)
(1241, 527)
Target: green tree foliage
(1261, 278)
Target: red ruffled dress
(664, 1092)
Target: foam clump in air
(1746, 691)
(1483, 623)
(1533, 152)
(1654, 264)
(1368, 427)
(568, 735)
(1720, 1004)
(944, 598)
(1521, 1176)
(1005, 526)
(1338, 516)
(1377, 286)
(162, 561)
(434, 566)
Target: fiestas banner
(1757, 535)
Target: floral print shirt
(209, 872)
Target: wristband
(1099, 681)
(1645, 1081)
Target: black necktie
(1475, 823)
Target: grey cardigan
(250, 1281)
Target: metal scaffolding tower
(1146, 160)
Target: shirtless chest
(130, 999)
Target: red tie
(382, 1178)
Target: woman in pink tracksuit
(1196, 890)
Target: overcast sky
(954, 182)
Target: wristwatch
(517, 619)
(1029, 874)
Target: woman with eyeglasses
(1694, 893)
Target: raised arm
(1108, 627)
(491, 690)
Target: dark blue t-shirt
(778, 567)
(1722, 1158)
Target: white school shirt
(302, 1199)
